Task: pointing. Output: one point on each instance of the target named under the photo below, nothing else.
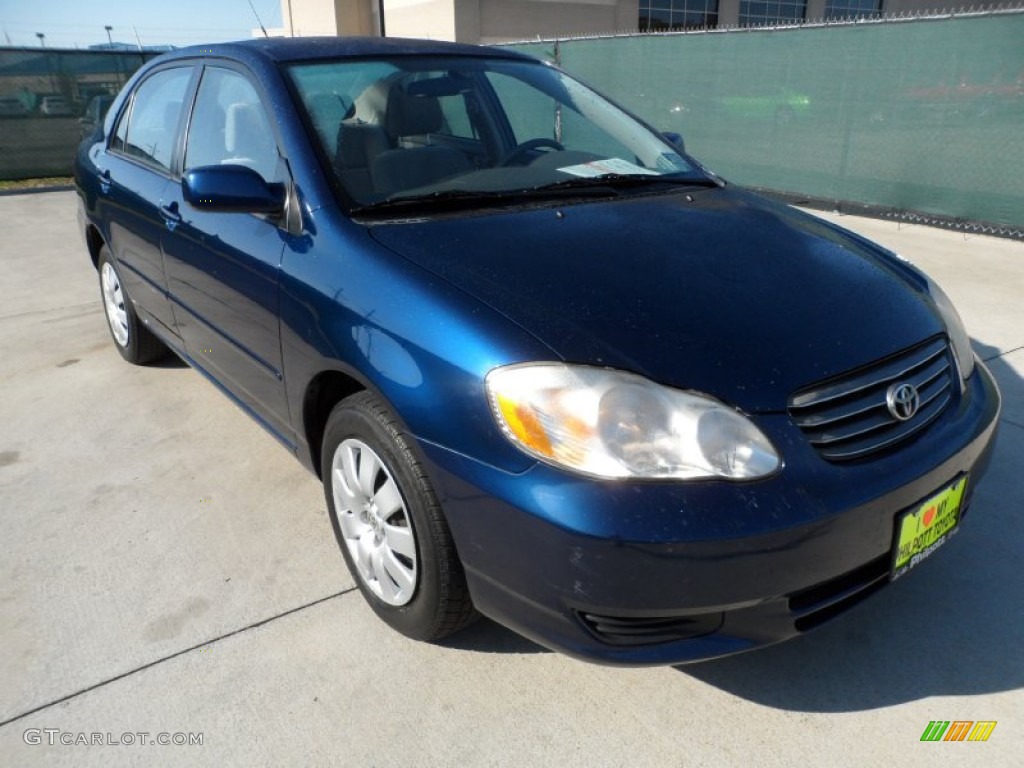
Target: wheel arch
(95, 242)
(324, 391)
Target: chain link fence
(51, 99)
(921, 118)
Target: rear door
(135, 174)
(223, 268)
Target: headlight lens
(954, 329)
(619, 425)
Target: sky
(80, 23)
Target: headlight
(954, 329)
(617, 425)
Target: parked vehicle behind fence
(55, 106)
(12, 107)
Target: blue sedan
(548, 367)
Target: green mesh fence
(923, 115)
(49, 100)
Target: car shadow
(486, 636)
(956, 627)
(168, 361)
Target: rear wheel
(133, 340)
(389, 525)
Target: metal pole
(110, 40)
(380, 17)
(49, 64)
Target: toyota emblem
(902, 400)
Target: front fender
(351, 305)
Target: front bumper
(664, 573)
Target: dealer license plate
(926, 527)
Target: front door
(223, 268)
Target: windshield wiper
(606, 185)
(453, 199)
(617, 181)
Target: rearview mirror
(231, 189)
(675, 139)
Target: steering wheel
(520, 151)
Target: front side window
(438, 127)
(229, 125)
(147, 131)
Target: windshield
(431, 128)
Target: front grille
(646, 630)
(847, 418)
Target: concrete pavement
(165, 567)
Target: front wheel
(133, 340)
(389, 525)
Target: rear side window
(121, 131)
(147, 131)
(456, 117)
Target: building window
(664, 15)
(845, 9)
(757, 13)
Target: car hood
(715, 290)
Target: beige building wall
(428, 19)
(489, 21)
(469, 21)
(309, 18)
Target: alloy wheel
(113, 301)
(375, 523)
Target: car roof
(288, 49)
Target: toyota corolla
(548, 367)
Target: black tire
(137, 344)
(440, 603)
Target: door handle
(171, 214)
(105, 181)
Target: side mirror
(675, 139)
(231, 189)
